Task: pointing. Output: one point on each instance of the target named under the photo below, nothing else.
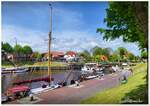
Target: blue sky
(74, 25)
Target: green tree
(18, 49)
(128, 20)
(122, 52)
(86, 55)
(131, 56)
(96, 51)
(27, 49)
(106, 51)
(39, 56)
(114, 57)
(144, 54)
(7, 47)
(96, 58)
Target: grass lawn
(27, 64)
(134, 90)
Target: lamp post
(49, 45)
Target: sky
(74, 26)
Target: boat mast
(49, 45)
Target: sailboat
(52, 85)
(25, 89)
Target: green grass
(27, 64)
(135, 89)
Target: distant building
(15, 57)
(55, 56)
(4, 55)
(19, 57)
(71, 56)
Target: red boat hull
(46, 79)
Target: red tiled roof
(71, 53)
(54, 54)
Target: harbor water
(58, 75)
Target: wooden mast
(49, 45)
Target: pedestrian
(124, 78)
(31, 97)
(125, 75)
(77, 83)
(131, 71)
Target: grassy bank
(134, 91)
(27, 64)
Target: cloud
(69, 40)
(67, 19)
(68, 30)
(23, 36)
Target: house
(71, 56)
(55, 56)
(18, 57)
(4, 55)
(15, 57)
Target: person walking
(31, 97)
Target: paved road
(74, 95)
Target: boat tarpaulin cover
(18, 89)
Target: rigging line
(68, 76)
(32, 70)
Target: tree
(122, 52)
(96, 51)
(144, 54)
(128, 20)
(96, 58)
(7, 47)
(86, 55)
(114, 57)
(106, 51)
(27, 49)
(130, 56)
(39, 56)
(18, 49)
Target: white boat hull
(40, 89)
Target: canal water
(58, 75)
